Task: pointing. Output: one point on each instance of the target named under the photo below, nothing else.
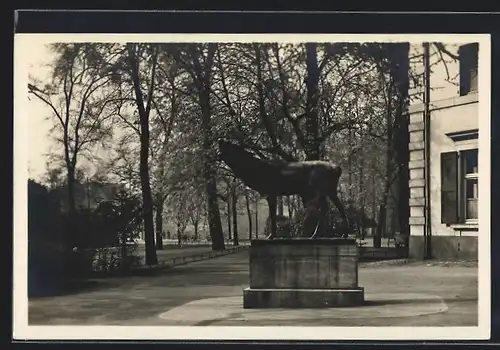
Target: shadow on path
(49, 286)
(68, 288)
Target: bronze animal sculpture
(313, 181)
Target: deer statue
(313, 181)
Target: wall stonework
(445, 247)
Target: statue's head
(232, 152)
(223, 143)
(226, 146)
(224, 149)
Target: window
(469, 184)
(468, 56)
(459, 187)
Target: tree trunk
(257, 218)
(280, 206)
(229, 228)
(374, 201)
(147, 199)
(72, 235)
(290, 206)
(159, 224)
(349, 170)
(361, 223)
(402, 138)
(249, 213)
(234, 202)
(362, 217)
(214, 222)
(71, 189)
(196, 231)
(203, 82)
(312, 125)
(377, 239)
(313, 220)
(388, 169)
(179, 234)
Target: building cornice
(446, 103)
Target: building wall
(453, 119)
(449, 112)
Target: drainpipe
(427, 154)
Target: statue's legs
(335, 199)
(272, 204)
(324, 219)
(312, 221)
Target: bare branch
(442, 49)
(35, 91)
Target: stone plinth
(303, 273)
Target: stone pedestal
(303, 273)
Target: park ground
(210, 292)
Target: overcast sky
(35, 111)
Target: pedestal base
(303, 273)
(302, 298)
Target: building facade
(444, 170)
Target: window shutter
(449, 188)
(468, 55)
(463, 74)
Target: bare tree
(198, 61)
(144, 102)
(80, 102)
(167, 108)
(196, 210)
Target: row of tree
(148, 115)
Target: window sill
(465, 227)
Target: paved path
(420, 295)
